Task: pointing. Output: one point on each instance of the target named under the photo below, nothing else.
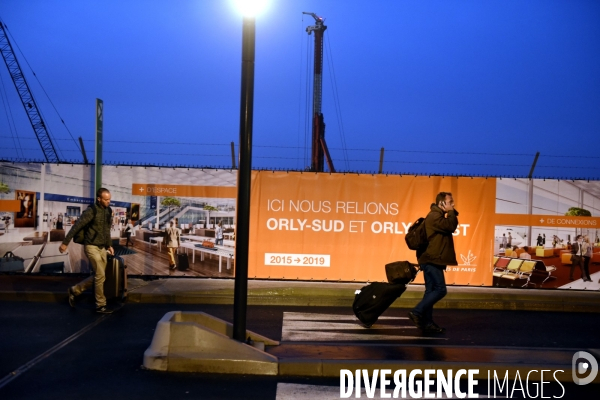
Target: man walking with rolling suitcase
(95, 222)
(440, 223)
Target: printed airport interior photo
(538, 255)
(67, 193)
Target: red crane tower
(319, 146)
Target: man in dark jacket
(95, 223)
(440, 224)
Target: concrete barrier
(198, 342)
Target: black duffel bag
(401, 272)
(11, 263)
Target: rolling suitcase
(182, 262)
(115, 286)
(372, 300)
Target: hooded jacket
(439, 228)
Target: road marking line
(315, 336)
(315, 327)
(310, 325)
(22, 369)
(293, 391)
(297, 316)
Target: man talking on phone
(440, 223)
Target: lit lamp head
(250, 8)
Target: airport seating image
(565, 257)
(37, 238)
(502, 265)
(57, 235)
(523, 271)
(542, 252)
(519, 251)
(525, 255)
(145, 235)
(204, 232)
(514, 269)
(542, 268)
(513, 266)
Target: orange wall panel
(347, 227)
(10, 205)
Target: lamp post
(240, 293)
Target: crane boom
(319, 147)
(31, 108)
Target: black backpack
(416, 237)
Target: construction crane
(319, 146)
(31, 108)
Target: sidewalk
(294, 293)
(299, 293)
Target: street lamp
(249, 8)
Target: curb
(278, 294)
(510, 361)
(512, 303)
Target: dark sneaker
(415, 319)
(71, 297)
(104, 310)
(432, 327)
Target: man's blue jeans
(435, 290)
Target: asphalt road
(105, 361)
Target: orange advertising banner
(151, 189)
(347, 227)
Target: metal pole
(240, 293)
(381, 160)
(99, 134)
(157, 214)
(85, 160)
(537, 155)
(529, 239)
(232, 155)
(41, 205)
(530, 197)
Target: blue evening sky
(446, 87)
